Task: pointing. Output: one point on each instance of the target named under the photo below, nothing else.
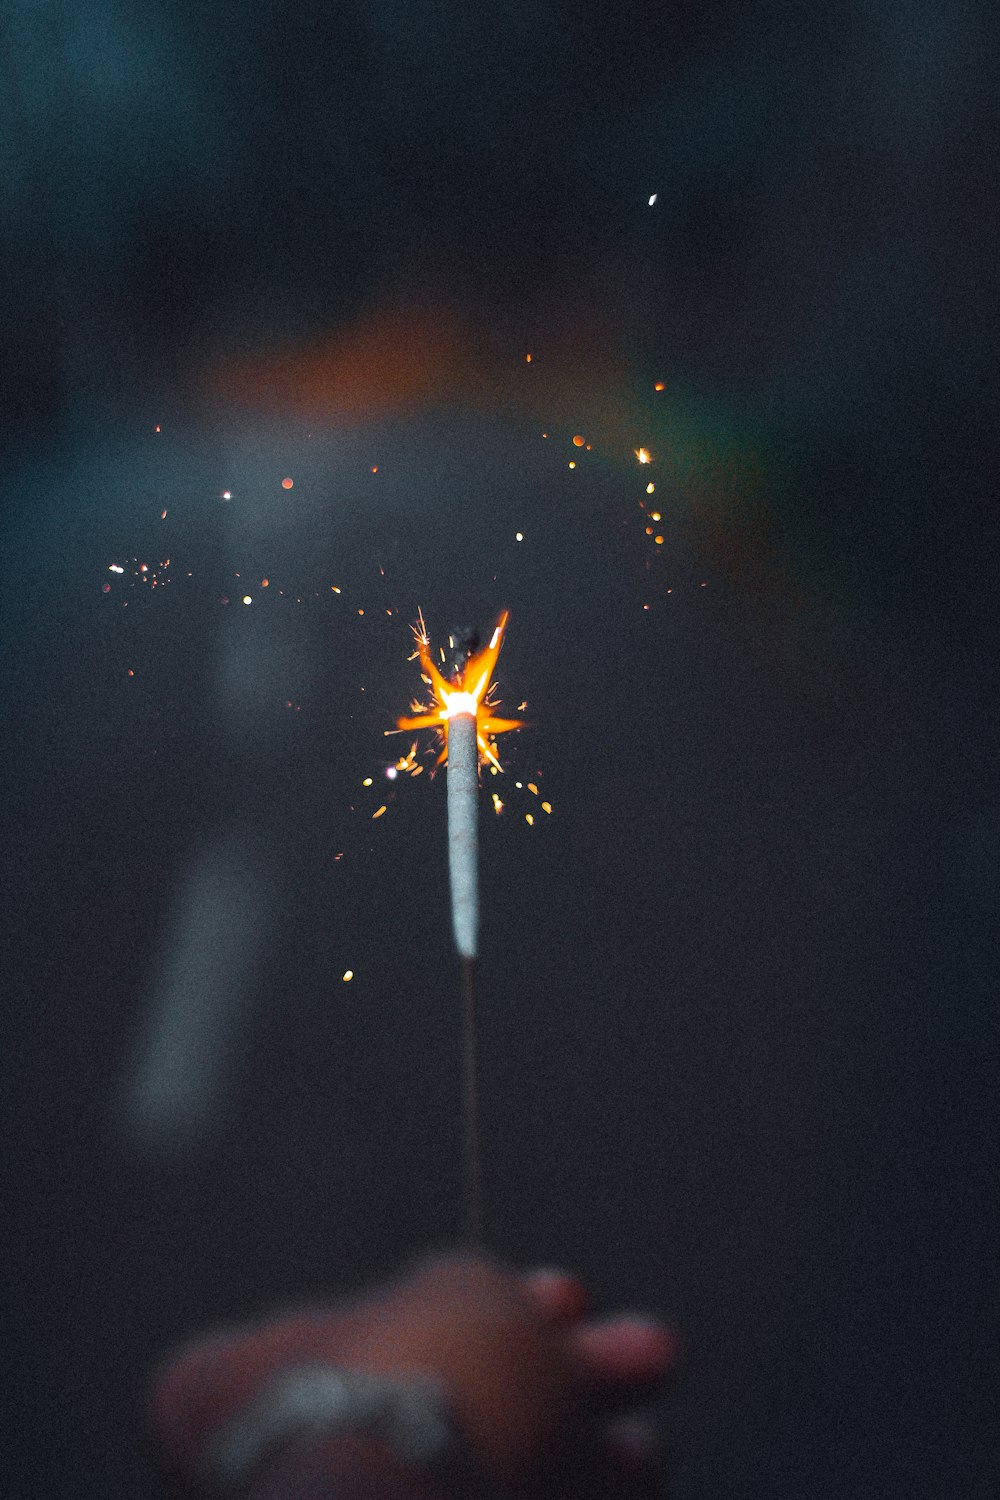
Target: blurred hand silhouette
(538, 1391)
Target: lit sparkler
(463, 714)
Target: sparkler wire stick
(463, 714)
(463, 834)
(463, 867)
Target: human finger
(560, 1296)
(625, 1350)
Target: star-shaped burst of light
(470, 691)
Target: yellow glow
(348, 975)
(529, 819)
(547, 807)
(642, 454)
(650, 488)
(470, 692)
(367, 781)
(461, 703)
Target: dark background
(738, 1007)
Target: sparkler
(463, 714)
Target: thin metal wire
(471, 1162)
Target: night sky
(737, 1002)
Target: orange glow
(642, 454)
(579, 441)
(471, 691)
(286, 484)
(263, 583)
(527, 359)
(659, 386)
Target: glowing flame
(469, 692)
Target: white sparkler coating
(463, 832)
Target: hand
(531, 1381)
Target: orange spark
(470, 691)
